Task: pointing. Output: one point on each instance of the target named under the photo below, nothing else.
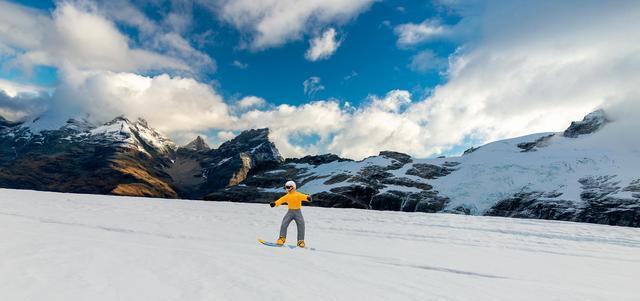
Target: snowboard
(272, 244)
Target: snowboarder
(294, 201)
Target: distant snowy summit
(571, 175)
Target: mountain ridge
(126, 157)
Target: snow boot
(281, 240)
(301, 243)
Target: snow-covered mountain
(575, 175)
(568, 176)
(126, 157)
(119, 132)
(118, 157)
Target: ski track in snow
(86, 247)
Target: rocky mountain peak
(197, 144)
(248, 137)
(401, 157)
(255, 142)
(589, 124)
(135, 135)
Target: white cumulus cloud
(410, 34)
(324, 46)
(534, 68)
(271, 23)
(77, 35)
(251, 101)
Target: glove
(309, 198)
(272, 204)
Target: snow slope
(86, 247)
(498, 170)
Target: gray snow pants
(295, 214)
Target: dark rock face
(634, 188)
(406, 182)
(365, 188)
(470, 150)
(612, 211)
(243, 194)
(532, 205)
(400, 157)
(358, 196)
(531, 146)
(598, 187)
(316, 160)
(337, 179)
(428, 171)
(597, 206)
(426, 201)
(602, 208)
(591, 123)
(230, 164)
(335, 199)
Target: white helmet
(290, 183)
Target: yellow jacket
(293, 199)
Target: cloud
(166, 35)
(13, 89)
(171, 104)
(19, 101)
(393, 102)
(77, 36)
(321, 118)
(534, 68)
(240, 65)
(425, 61)
(355, 133)
(323, 47)
(251, 101)
(271, 23)
(18, 106)
(312, 86)
(225, 135)
(410, 34)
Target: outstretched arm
(278, 202)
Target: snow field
(87, 247)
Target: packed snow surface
(84, 247)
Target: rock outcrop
(589, 124)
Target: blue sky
(277, 74)
(353, 78)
